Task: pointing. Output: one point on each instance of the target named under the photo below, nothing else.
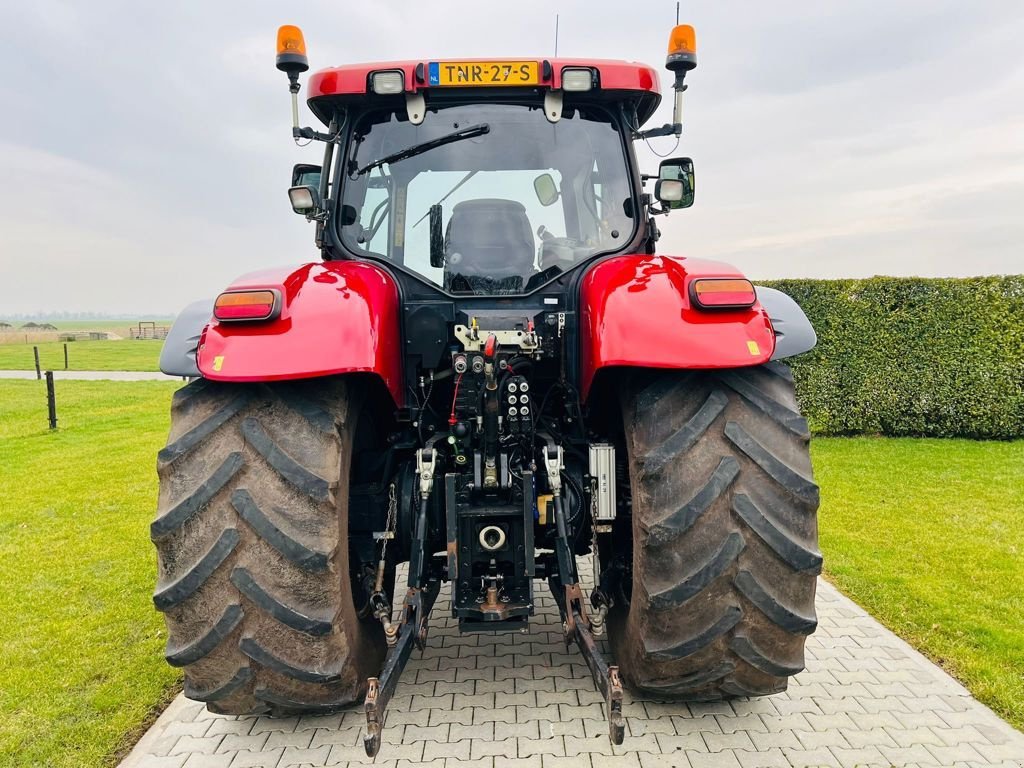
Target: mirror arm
(318, 215)
(309, 133)
(666, 130)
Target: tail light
(247, 305)
(723, 293)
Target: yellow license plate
(482, 74)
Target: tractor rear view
(490, 373)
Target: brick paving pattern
(524, 701)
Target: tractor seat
(489, 238)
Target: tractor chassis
(424, 584)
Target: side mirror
(546, 189)
(675, 186)
(305, 190)
(305, 199)
(306, 175)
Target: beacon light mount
(291, 59)
(682, 57)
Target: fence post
(39, 375)
(65, 355)
(51, 400)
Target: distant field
(128, 355)
(18, 335)
(89, 325)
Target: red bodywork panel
(636, 311)
(336, 317)
(353, 79)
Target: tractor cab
(482, 178)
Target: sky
(145, 148)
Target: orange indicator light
(245, 305)
(724, 292)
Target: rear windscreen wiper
(469, 132)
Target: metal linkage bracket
(553, 106)
(419, 600)
(426, 462)
(571, 604)
(473, 339)
(554, 463)
(412, 633)
(606, 678)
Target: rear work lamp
(247, 305)
(387, 83)
(577, 79)
(304, 199)
(723, 293)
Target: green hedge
(913, 356)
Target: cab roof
(615, 79)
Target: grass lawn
(128, 355)
(81, 665)
(925, 534)
(928, 536)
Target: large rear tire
(252, 542)
(725, 553)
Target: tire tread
(254, 580)
(722, 587)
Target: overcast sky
(145, 148)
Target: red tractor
(490, 373)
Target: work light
(388, 82)
(577, 79)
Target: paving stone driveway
(522, 701)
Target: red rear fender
(336, 317)
(636, 311)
